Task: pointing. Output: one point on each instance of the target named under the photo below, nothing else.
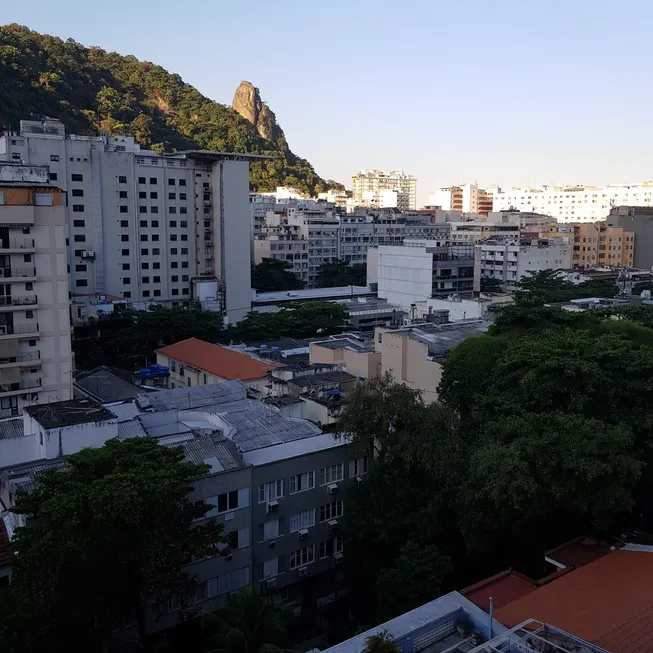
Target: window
(357, 467)
(79, 238)
(271, 529)
(172, 196)
(173, 250)
(154, 209)
(184, 264)
(331, 510)
(145, 280)
(126, 281)
(182, 209)
(173, 237)
(126, 266)
(174, 264)
(299, 520)
(302, 482)
(174, 278)
(154, 195)
(142, 195)
(78, 208)
(124, 209)
(77, 177)
(122, 194)
(183, 223)
(158, 280)
(172, 209)
(143, 238)
(16, 156)
(301, 557)
(153, 181)
(122, 179)
(332, 474)
(53, 176)
(185, 291)
(171, 182)
(154, 223)
(54, 157)
(182, 182)
(78, 192)
(141, 180)
(29, 286)
(80, 283)
(269, 491)
(173, 223)
(125, 252)
(184, 277)
(156, 251)
(124, 238)
(156, 265)
(182, 196)
(143, 223)
(146, 293)
(126, 294)
(78, 223)
(144, 251)
(155, 237)
(184, 237)
(227, 501)
(207, 197)
(184, 250)
(157, 293)
(330, 547)
(80, 268)
(142, 209)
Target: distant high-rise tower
(379, 189)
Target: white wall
(405, 274)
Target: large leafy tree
(337, 272)
(106, 535)
(551, 286)
(271, 274)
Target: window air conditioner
(332, 524)
(332, 489)
(303, 571)
(303, 534)
(271, 582)
(273, 505)
(338, 558)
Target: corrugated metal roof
(130, 429)
(11, 428)
(194, 397)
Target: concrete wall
(405, 275)
(638, 221)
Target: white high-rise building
(370, 184)
(575, 203)
(145, 227)
(35, 348)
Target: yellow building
(597, 245)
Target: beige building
(370, 188)
(467, 198)
(597, 245)
(35, 348)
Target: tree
(271, 274)
(550, 286)
(416, 578)
(108, 534)
(337, 272)
(381, 643)
(249, 624)
(490, 284)
(642, 285)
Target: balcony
(18, 274)
(16, 302)
(11, 332)
(18, 245)
(19, 388)
(28, 359)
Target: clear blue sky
(495, 91)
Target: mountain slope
(90, 89)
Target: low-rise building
(194, 362)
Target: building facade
(35, 345)
(369, 187)
(575, 203)
(143, 226)
(638, 221)
(466, 198)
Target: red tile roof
(6, 553)
(608, 602)
(505, 587)
(578, 552)
(217, 360)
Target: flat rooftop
(351, 342)
(440, 338)
(69, 413)
(337, 292)
(201, 396)
(106, 384)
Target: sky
(497, 92)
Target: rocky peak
(247, 102)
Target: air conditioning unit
(302, 534)
(88, 253)
(303, 571)
(332, 489)
(338, 558)
(273, 505)
(3, 330)
(229, 557)
(270, 583)
(272, 544)
(332, 524)
(359, 479)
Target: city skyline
(536, 108)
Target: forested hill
(90, 89)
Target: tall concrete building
(467, 198)
(146, 227)
(35, 349)
(575, 203)
(379, 189)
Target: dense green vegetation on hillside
(90, 89)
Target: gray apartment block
(145, 227)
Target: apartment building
(421, 269)
(146, 227)
(35, 347)
(276, 483)
(508, 260)
(638, 221)
(369, 187)
(598, 244)
(575, 203)
(466, 198)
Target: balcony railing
(17, 243)
(8, 272)
(21, 358)
(27, 384)
(9, 412)
(18, 329)
(18, 300)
